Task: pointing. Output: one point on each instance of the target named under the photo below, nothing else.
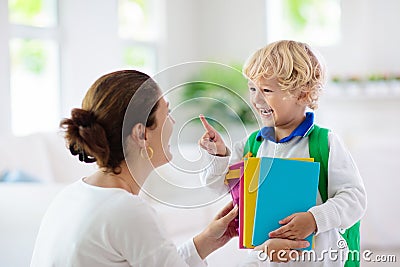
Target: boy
(284, 79)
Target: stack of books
(268, 190)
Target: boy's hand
(211, 141)
(296, 226)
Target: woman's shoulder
(127, 204)
(131, 214)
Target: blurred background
(51, 51)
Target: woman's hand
(281, 250)
(296, 226)
(211, 141)
(218, 232)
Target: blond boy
(284, 79)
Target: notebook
(250, 182)
(285, 187)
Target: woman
(124, 126)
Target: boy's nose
(259, 97)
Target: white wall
(231, 30)
(89, 46)
(370, 39)
(222, 31)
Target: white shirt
(94, 226)
(347, 197)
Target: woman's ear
(138, 134)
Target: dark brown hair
(110, 109)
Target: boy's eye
(252, 89)
(267, 90)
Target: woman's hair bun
(82, 118)
(85, 136)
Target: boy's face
(275, 107)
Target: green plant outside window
(37, 13)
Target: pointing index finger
(207, 126)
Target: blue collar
(302, 130)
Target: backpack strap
(252, 145)
(319, 150)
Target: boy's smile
(266, 115)
(266, 112)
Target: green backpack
(319, 150)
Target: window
(137, 29)
(42, 82)
(34, 66)
(311, 21)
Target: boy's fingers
(279, 232)
(207, 126)
(287, 219)
(206, 144)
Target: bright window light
(34, 85)
(136, 20)
(37, 13)
(137, 28)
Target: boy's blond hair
(293, 64)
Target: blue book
(285, 187)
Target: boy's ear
(302, 98)
(138, 134)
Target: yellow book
(250, 184)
